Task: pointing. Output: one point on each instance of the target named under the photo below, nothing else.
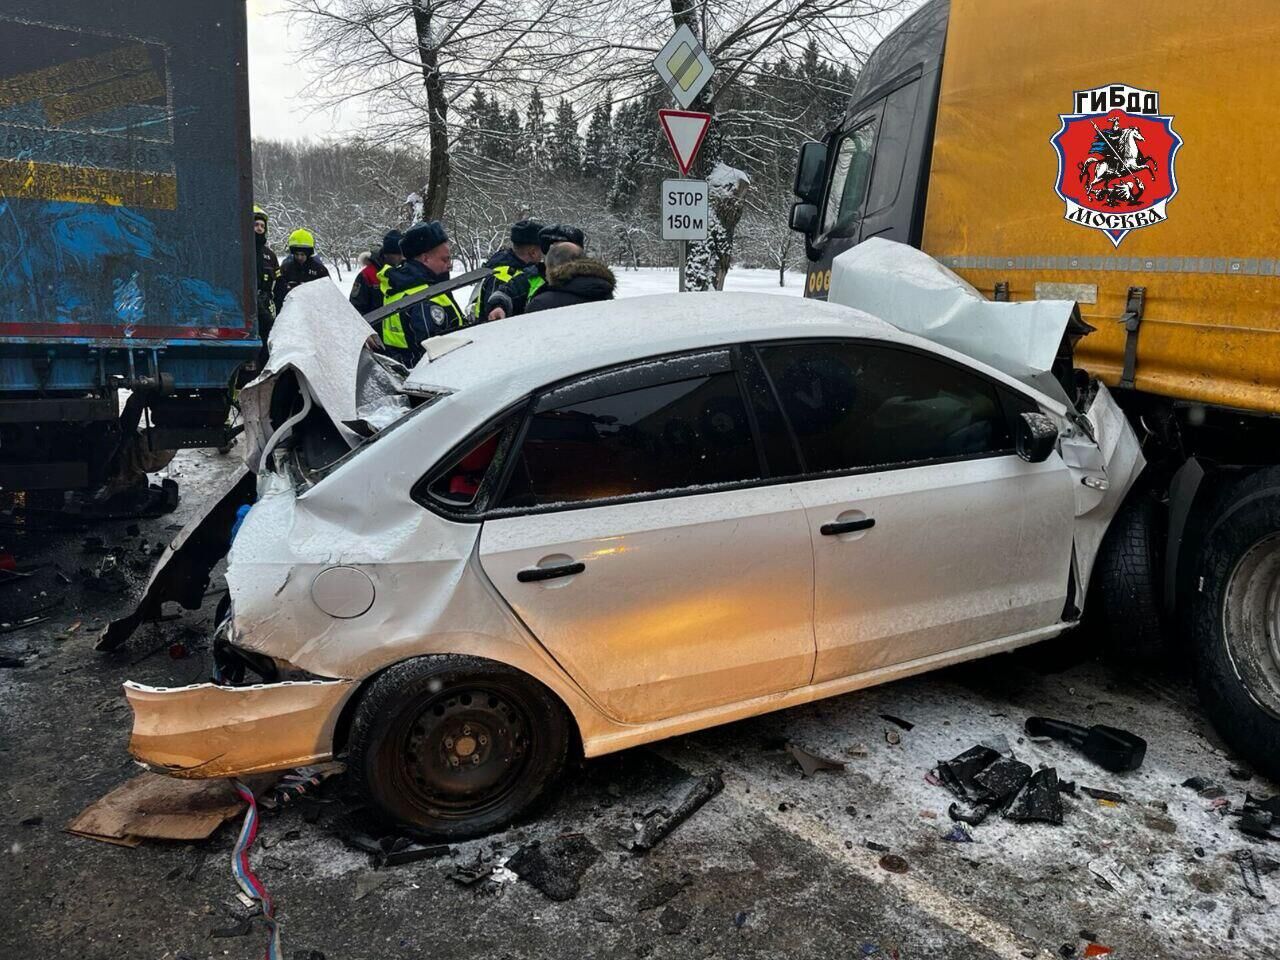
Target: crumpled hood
(915, 293)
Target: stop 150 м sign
(684, 209)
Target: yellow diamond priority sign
(684, 66)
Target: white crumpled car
(600, 526)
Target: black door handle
(837, 527)
(534, 574)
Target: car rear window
(680, 434)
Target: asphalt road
(776, 865)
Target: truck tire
(1235, 619)
(452, 747)
(1127, 577)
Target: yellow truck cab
(1042, 158)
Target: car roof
(519, 354)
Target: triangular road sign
(685, 132)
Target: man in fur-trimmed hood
(572, 278)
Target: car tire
(1128, 575)
(1234, 607)
(451, 747)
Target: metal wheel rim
(1251, 622)
(464, 750)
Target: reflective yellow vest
(383, 283)
(501, 273)
(393, 329)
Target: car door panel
(683, 604)
(960, 553)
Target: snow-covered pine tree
(598, 148)
(564, 149)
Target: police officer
(427, 259)
(511, 299)
(301, 267)
(370, 284)
(506, 263)
(268, 267)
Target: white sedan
(599, 526)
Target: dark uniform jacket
(503, 267)
(366, 292)
(579, 281)
(514, 295)
(294, 274)
(427, 318)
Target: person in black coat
(573, 278)
(367, 290)
(506, 264)
(303, 266)
(513, 298)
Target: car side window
(852, 170)
(854, 405)
(686, 433)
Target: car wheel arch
(349, 708)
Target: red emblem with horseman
(1116, 160)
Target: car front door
(638, 538)
(929, 532)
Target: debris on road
(1205, 787)
(1249, 873)
(897, 721)
(158, 807)
(557, 866)
(811, 763)
(1109, 747)
(1110, 874)
(1110, 796)
(958, 834)
(1261, 818)
(655, 825)
(1039, 800)
(894, 863)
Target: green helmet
(259, 213)
(302, 239)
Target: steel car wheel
(453, 747)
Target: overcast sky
(279, 111)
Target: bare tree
(413, 61)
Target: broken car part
(811, 763)
(653, 828)
(1109, 747)
(1039, 800)
(555, 867)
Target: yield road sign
(685, 132)
(684, 66)
(684, 210)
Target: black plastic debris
(877, 847)
(1039, 800)
(469, 873)
(1109, 747)
(241, 928)
(406, 851)
(1205, 787)
(1239, 773)
(897, 721)
(1249, 873)
(655, 825)
(811, 763)
(1003, 778)
(1067, 786)
(1098, 794)
(973, 817)
(1261, 818)
(957, 773)
(555, 867)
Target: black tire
(420, 723)
(1128, 575)
(1234, 622)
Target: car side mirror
(810, 172)
(804, 217)
(1037, 436)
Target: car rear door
(638, 537)
(929, 532)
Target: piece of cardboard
(158, 807)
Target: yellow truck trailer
(1046, 150)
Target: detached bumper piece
(205, 731)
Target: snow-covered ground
(646, 280)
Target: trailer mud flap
(182, 572)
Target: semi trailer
(1053, 151)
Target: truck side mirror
(804, 217)
(1036, 437)
(810, 172)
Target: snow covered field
(646, 280)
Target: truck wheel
(1127, 577)
(1235, 620)
(452, 747)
